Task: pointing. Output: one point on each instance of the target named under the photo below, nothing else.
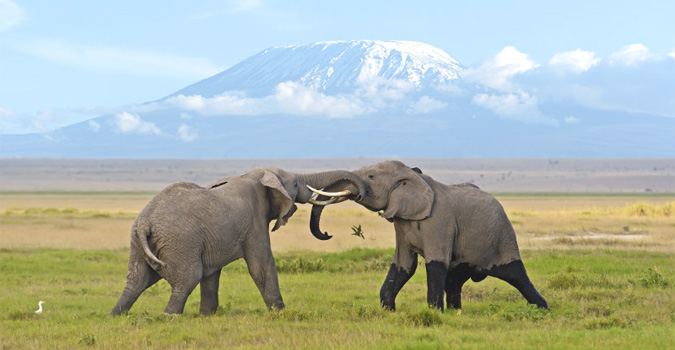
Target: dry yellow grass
(103, 220)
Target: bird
(39, 310)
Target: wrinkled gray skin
(187, 233)
(461, 231)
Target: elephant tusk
(327, 202)
(330, 194)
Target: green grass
(600, 299)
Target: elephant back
(485, 236)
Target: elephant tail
(142, 235)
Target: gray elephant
(187, 233)
(461, 231)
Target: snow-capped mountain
(334, 67)
(378, 99)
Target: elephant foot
(208, 311)
(514, 274)
(276, 307)
(388, 305)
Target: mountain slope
(358, 99)
(333, 67)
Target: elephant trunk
(331, 179)
(314, 223)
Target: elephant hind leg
(179, 295)
(453, 285)
(183, 281)
(141, 276)
(209, 294)
(514, 274)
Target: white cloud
(497, 72)
(288, 98)
(631, 55)
(42, 121)
(379, 91)
(186, 133)
(6, 113)
(245, 5)
(570, 119)
(293, 98)
(7, 116)
(576, 61)
(519, 106)
(11, 15)
(94, 125)
(122, 61)
(128, 122)
(425, 105)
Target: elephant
(187, 233)
(461, 231)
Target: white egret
(39, 311)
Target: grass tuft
(512, 313)
(426, 317)
(653, 279)
(602, 322)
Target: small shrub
(18, 315)
(650, 210)
(597, 310)
(292, 315)
(70, 210)
(424, 318)
(299, 265)
(653, 279)
(370, 312)
(88, 340)
(519, 313)
(564, 281)
(597, 323)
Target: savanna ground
(605, 263)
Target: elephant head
(286, 188)
(392, 188)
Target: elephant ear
(280, 198)
(411, 199)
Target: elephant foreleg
(436, 278)
(209, 293)
(514, 273)
(395, 280)
(263, 271)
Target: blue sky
(67, 61)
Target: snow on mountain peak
(334, 67)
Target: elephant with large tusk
(462, 232)
(187, 233)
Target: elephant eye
(404, 183)
(371, 176)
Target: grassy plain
(604, 263)
(101, 220)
